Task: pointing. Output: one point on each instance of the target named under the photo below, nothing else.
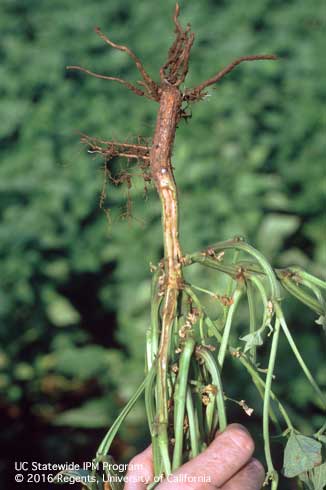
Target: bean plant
(185, 347)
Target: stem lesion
(162, 175)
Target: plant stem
(266, 409)
(156, 301)
(259, 382)
(245, 247)
(162, 174)
(150, 410)
(309, 277)
(227, 328)
(251, 368)
(315, 290)
(216, 378)
(301, 295)
(230, 286)
(298, 356)
(252, 317)
(180, 400)
(193, 425)
(107, 441)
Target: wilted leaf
(252, 340)
(301, 454)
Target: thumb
(225, 456)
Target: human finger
(251, 477)
(140, 471)
(225, 456)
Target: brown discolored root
(175, 70)
(112, 149)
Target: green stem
(252, 370)
(259, 285)
(227, 328)
(193, 425)
(206, 291)
(198, 405)
(229, 288)
(150, 410)
(211, 263)
(104, 447)
(155, 314)
(149, 356)
(245, 247)
(210, 409)
(298, 356)
(201, 329)
(309, 277)
(252, 318)
(321, 431)
(216, 378)
(180, 400)
(301, 295)
(251, 267)
(266, 409)
(315, 290)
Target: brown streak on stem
(162, 174)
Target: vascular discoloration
(162, 174)
(166, 124)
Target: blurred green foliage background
(74, 297)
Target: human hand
(227, 464)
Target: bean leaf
(319, 477)
(301, 454)
(252, 340)
(316, 478)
